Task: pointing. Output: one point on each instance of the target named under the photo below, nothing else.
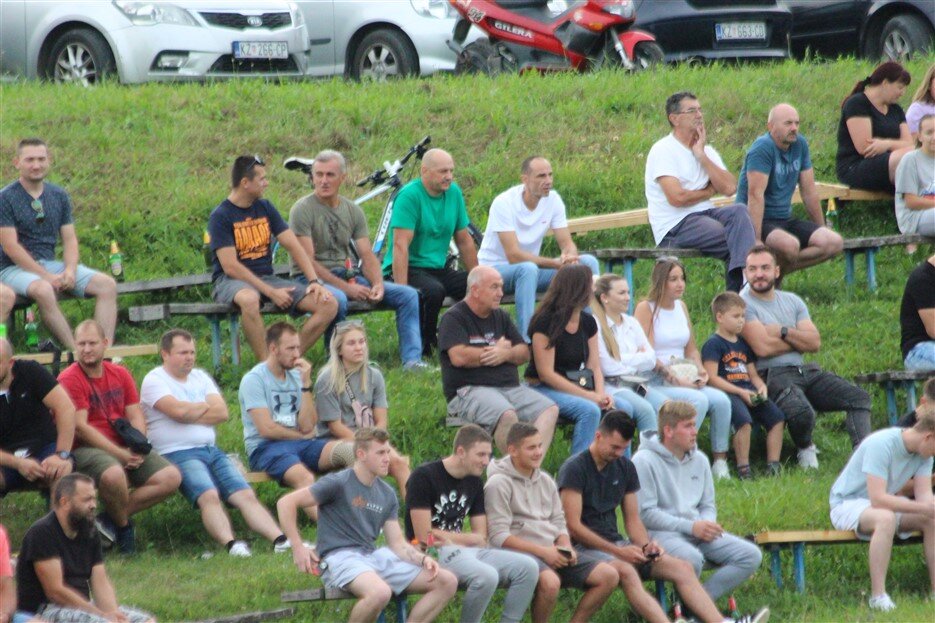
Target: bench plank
(112, 352)
(253, 617)
(805, 536)
(316, 594)
(255, 477)
(894, 375)
(885, 241)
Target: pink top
(6, 569)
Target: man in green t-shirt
(427, 213)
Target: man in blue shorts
(182, 406)
(33, 216)
(775, 163)
(242, 229)
(279, 417)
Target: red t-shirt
(111, 393)
(6, 569)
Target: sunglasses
(36, 206)
(663, 259)
(345, 325)
(257, 162)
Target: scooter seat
(522, 4)
(537, 10)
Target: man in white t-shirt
(519, 220)
(682, 174)
(182, 405)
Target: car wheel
(80, 55)
(382, 55)
(904, 36)
(475, 58)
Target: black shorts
(868, 173)
(799, 229)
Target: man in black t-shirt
(593, 484)
(37, 419)
(917, 318)
(61, 575)
(439, 497)
(480, 351)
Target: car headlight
(298, 18)
(150, 13)
(621, 8)
(431, 8)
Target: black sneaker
(761, 616)
(106, 529)
(126, 539)
(774, 468)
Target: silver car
(144, 41)
(380, 39)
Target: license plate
(261, 49)
(731, 31)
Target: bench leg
(402, 608)
(775, 565)
(215, 321)
(910, 395)
(872, 270)
(849, 267)
(661, 595)
(628, 263)
(892, 409)
(798, 559)
(235, 338)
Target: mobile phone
(564, 551)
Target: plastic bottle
(350, 272)
(430, 549)
(677, 610)
(732, 606)
(831, 214)
(32, 330)
(206, 250)
(116, 261)
(2, 331)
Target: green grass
(145, 165)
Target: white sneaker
(882, 602)
(286, 546)
(808, 457)
(719, 470)
(240, 549)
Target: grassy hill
(145, 165)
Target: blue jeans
(921, 357)
(705, 400)
(206, 468)
(525, 279)
(403, 299)
(644, 407)
(585, 414)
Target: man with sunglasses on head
(33, 216)
(242, 229)
(328, 225)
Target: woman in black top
(564, 340)
(872, 134)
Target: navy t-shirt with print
(249, 230)
(732, 359)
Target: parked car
(872, 28)
(717, 29)
(379, 39)
(141, 41)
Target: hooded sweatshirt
(528, 508)
(673, 494)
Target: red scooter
(525, 35)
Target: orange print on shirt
(251, 238)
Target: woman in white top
(664, 318)
(624, 350)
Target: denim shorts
(921, 357)
(20, 279)
(206, 468)
(276, 457)
(14, 481)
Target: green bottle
(116, 261)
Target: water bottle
(206, 250)
(430, 549)
(732, 603)
(116, 261)
(350, 272)
(831, 214)
(2, 331)
(32, 331)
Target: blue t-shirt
(260, 389)
(881, 454)
(732, 359)
(783, 169)
(249, 230)
(37, 237)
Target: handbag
(363, 414)
(134, 440)
(582, 377)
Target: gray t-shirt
(331, 406)
(260, 389)
(914, 175)
(785, 309)
(351, 514)
(331, 229)
(37, 237)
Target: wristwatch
(308, 389)
(783, 333)
(65, 455)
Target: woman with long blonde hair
(923, 103)
(350, 393)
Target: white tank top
(670, 332)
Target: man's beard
(81, 523)
(770, 284)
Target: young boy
(730, 364)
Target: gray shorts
(483, 405)
(576, 575)
(644, 569)
(225, 289)
(63, 614)
(346, 565)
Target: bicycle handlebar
(380, 175)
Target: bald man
(428, 212)
(775, 163)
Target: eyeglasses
(690, 111)
(36, 206)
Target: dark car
(872, 28)
(717, 29)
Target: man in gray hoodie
(676, 499)
(524, 513)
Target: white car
(75, 41)
(380, 39)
